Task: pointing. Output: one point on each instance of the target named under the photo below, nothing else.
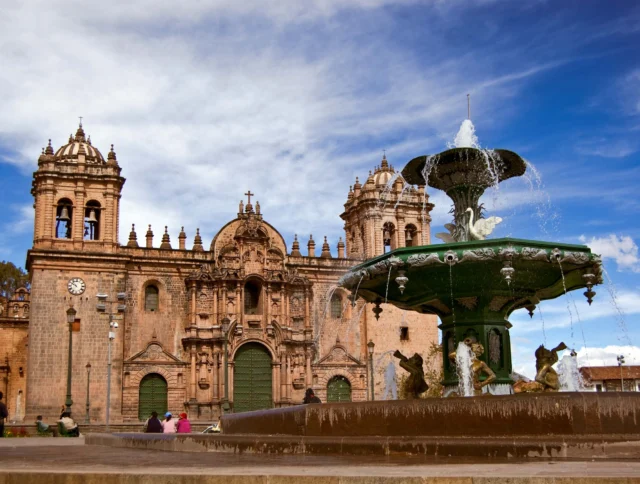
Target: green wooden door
(338, 390)
(153, 396)
(252, 378)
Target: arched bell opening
(64, 217)
(388, 237)
(410, 236)
(92, 221)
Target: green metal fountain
(473, 284)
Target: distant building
(289, 327)
(610, 378)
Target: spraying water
(568, 374)
(466, 137)
(464, 360)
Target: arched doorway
(252, 378)
(338, 390)
(153, 396)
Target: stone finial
(257, 208)
(340, 249)
(166, 242)
(70, 138)
(385, 164)
(80, 134)
(182, 240)
(149, 237)
(357, 186)
(311, 246)
(295, 248)
(49, 149)
(89, 140)
(111, 157)
(197, 242)
(241, 207)
(326, 251)
(133, 237)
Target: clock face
(76, 286)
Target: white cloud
(620, 248)
(209, 100)
(607, 356)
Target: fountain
(471, 283)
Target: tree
(11, 278)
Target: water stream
(564, 286)
(464, 360)
(568, 374)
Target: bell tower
(77, 197)
(385, 213)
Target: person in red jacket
(183, 426)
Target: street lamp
(113, 325)
(71, 317)
(225, 334)
(370, 346)
(620, 359)
(86, 420)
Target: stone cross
(249, 195)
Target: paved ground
(54, 455)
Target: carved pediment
(154, 353)
(339, 355)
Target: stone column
(308, 375)
(231, 365)
(193, 373)
(216, 319)
(289, 378)
(224, 301)
(193, 303)
(215, 370)
(282, 305)
(49, 207)
(238, 304)
(307, 309)
(283, 377)
(77, 231)
(400, 233)
(267, 304)
(276, 382)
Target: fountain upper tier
(466, 167)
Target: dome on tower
(79, 145)
(383, 174)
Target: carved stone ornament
(153, 353)
(508, 253)
(420, 260)
(478, 255)
(576, 258)
(451, 257)
(468, 302)
(498, 302)
(384, 266)
(531, 253)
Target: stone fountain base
(558, 415)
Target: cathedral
(241, 323)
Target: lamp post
(86, 420)
(620, 359)
(225, 334)
(113, 325)
(71, 317)
(370, 346)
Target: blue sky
(295, 99)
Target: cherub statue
(546, 377)
(478, 367)
(415, 384)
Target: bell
(408, 238)
(385, 234)
(64, 215)
(92, 217)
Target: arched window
(151, 298)
(252, 291)
(410, 236)
(64, 217)
(336, 306)
(388, 237)
(92, 221)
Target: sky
(293, 100)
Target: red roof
(609, 372)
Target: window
(252, 290)
(64, 217)
(598, 387)
(336, 306)
(404, 333)
(151, 298)
(92, 221)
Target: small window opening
(388, 232)
(598, 388)
(151, 298)
(404, 333)
(252, 290)
(336, 306)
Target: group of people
(169, 425)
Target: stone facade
(175, 308)
(14, 341)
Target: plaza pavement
(70, 461)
